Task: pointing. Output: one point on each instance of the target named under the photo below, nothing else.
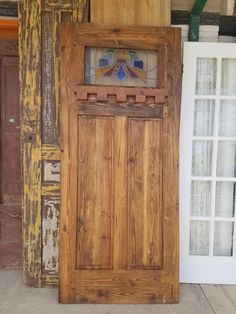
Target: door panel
(144, 193)
(95, 212)
(119, 193)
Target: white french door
(208, 164)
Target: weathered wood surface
(37, 46)
(88, 274)
(30, 98)
(50, 222)
(131, 12)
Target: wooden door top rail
(102, 92)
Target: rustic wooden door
(119, 197)
(10, 206)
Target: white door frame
(200, 269)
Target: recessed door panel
(144, 193)
(95, 192)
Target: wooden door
(10, 206)
(119, 196)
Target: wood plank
(30, 99)
(145, 194)
(95, 212)
(122, 109)
(129, 37)
(231, 292)
(218, 299)
(120, 193)
(131, 12)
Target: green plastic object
(193, 33)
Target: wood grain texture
(155, 147)
(144, 193)
(131, 12)
(95, 212)
(122, 109)
(30, 99)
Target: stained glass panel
(122, 67)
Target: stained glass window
(123, 67)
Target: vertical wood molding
(30, 100)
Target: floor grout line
(208, 301)
(228, 296)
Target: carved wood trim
(121, 93)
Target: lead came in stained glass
(120, 67)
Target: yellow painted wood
(131, 12)
(52, 189)
(30, 99)
(50, 152)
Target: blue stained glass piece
(103, 62)
(121, 73)
(138, 64)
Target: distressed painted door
(208, 160)
(10, 206)
(119, 210)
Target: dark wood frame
(75, 37)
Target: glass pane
(204, 111)
(225, 199)
(123, 67)
(201, 198)
(226, 159)
(206, 76)
(228, 81)
(227, 120)
(202, 158)
(199, 238)
(223, 238)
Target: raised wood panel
(145, 226)
(95, 215)
(131, 12)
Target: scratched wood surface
(30, 98)
(134, 218)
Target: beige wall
(211, 6)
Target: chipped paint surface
(50, 234)
(51, 171)
(40, 198)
